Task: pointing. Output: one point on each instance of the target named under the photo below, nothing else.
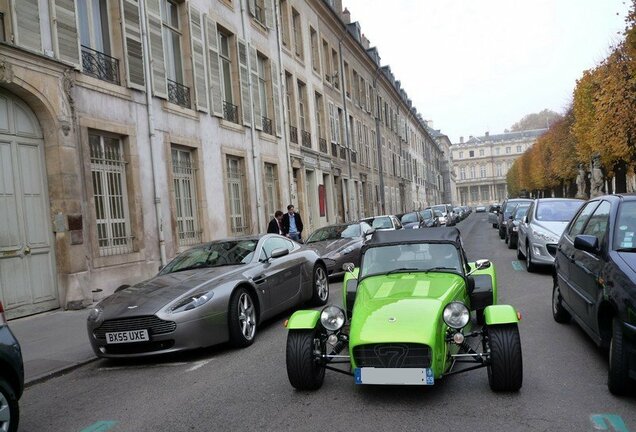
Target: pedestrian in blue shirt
(292, 224)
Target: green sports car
(414, 312)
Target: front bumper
(543, 253)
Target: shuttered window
(272, 201)
(298, 33)
(158, 67)
(185, 197)
(256, 95)
(28, 22)
(214, 67)
(132, 44)
(198, 60)
(92, 16)
(236, 196)
(244, 79)
(278, 116)
(66, 41)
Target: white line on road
(143, 366)
(198, 364)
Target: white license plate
(127, 336)
(394, 376)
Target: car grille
(552, 249)
(154, 325)
(393, 355)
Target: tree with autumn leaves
(601, 120)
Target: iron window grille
(230, 112)
(100, 65)
(306, 138)
(235, 185)
(179, 94)
(267, 126)
(323, 145)
(293, 134)
(185, 197)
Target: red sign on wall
(322, 200)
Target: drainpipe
(255, 164)
(151, 130)
(347, 138)
(378, 139)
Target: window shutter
(214, 68)
(276, 96)
(269, 13)
(28, 22)
(66, 38)
(198, 60)
(159, 84)
(245, 83)
(133, 52)
(256, 94)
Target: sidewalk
(52, 342)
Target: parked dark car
(11, 377)
(595, 281)
(512, 228)
(503, 217)
(430, 220)
(338, 244)
(447, 217)
(411, 220)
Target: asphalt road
(225, 389)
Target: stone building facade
(481, 164)
(133, 129)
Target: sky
(473, 66)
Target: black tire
(618, 381)
(495, 225)
(502, 234)
(506, 238)
(559, 313)
(512, 243)
(303, 371)
(505, 369)
(320, 286)
(240, 335)
(530, 266)
(9, 399)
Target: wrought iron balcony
(334, 149)
(293, 134)
(267, 125)
(100, 65)
(179, 94)
(323, 145)
(306, 139)
(354, 157)
(230, 112)
(343, 153)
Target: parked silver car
(541, 229)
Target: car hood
(556, 228)
(403, 307)
(328, 247)
(150, 296)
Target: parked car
(512, 228)
(412, 220)
(407, 318)
(503, 217)
(480, 209)
(493, 215)
(11, 377)
(384, 222)
(460, 213)
(595, 281)
(447, 217)
(540, 230)
(213, 293)
(430, 220)
(338, 244)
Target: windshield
(511, 207)
(415, 257)
(335, 232)
(441, 209)
(625, 227)
(521, 212)
(214, 255)
(426, 214)
(410, 217)
(382, 223)
(557, 211)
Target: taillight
(3, 319)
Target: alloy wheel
(322, 284)
(247, 316)
(5, 413)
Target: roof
(439, 235)
(507, 136)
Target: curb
(56, 373)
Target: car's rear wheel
(618, 380)
(505, 368)
(9, 410)
(530, 266)
(242, 318)
(512, 243)
(558, 311)
(320, 286)
(303, 371)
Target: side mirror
(587, 243)
(481, 264)
(277, 253)
(348, 267)
(525, 219)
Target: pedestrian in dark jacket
(275, 226)
(292, 224)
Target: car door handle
(259, 279)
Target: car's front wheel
(618, 380)
(505, 368)
(320, 286)
(530, 266)
(242, 318)
(303, 371)
(9, 410)
(558, 311)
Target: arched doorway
(28, 282)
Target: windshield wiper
(403, 270)
(432, 269)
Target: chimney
(461, 140)
(346, 16)
(487, 134)
(365, 42)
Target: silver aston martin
(213, 293)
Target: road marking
(608, 422)
(517, 265)
(142, 366)
(198, 364)
(100, 426)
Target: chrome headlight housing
(192, 301)
(96, 315)
(332, 318)
(456, 315)
(347, 250)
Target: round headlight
(332, 318)
(456, 315)
(96, 315)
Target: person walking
(292, 224)
(275, 226)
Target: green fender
(303, 320)
(500, 314)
